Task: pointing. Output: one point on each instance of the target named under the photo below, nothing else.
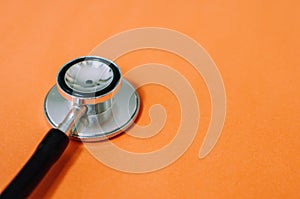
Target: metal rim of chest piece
(112, 102)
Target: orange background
(255, 45)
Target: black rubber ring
(115, 81)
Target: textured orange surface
(255, 45)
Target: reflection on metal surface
(89, 76)
(96, 125)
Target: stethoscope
(90, 102)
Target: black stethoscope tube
(45, 155)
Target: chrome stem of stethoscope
(92, 102)
(74, 115)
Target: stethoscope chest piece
(111, 102)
